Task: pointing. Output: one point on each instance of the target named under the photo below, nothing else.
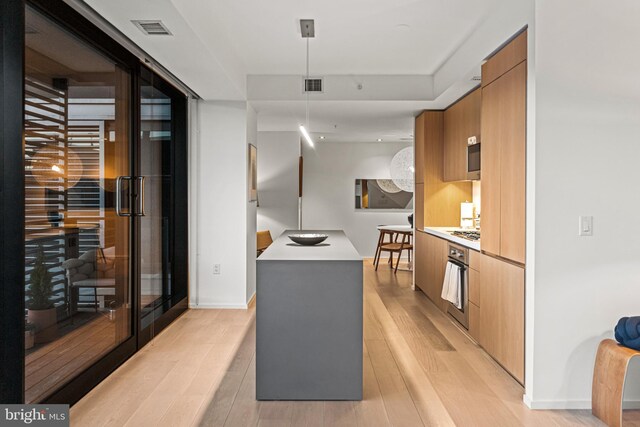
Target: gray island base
(309, 320)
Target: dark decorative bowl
(308, 239)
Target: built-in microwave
(473, 158)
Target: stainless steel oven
(473, 158)
(459, 256)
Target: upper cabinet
(461, 121)
(512, 54)
(503, 127)
(437, 203)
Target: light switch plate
(585, 224)
(216, 268)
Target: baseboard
(631, 404)
(252, 301)
(557, 404)
(571, 404)
(217, 306)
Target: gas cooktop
(472, 235)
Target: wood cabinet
(503, 185)
(474, 286)
(419, 145)
(501, 314)
(418, 200)
(474, 295)
(461, 120)
(420, 267)
(430, 266)
(439, 201)
(474, 321)
(505, 59)
(513, 86)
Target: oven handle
(462, 266)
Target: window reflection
(76, 144)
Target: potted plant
(29, 335)
(41, 312)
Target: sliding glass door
(78, 214)
(156, 183)
(102, 267)
(161, 181)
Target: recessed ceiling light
(322, 137)
(379, 139)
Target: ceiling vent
(152, 28)
(313, 85)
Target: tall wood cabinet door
(461, 121)
(502, 315)
(418, 200)
(454, 147)
(512, 87)
(491, 127)
(473, 115)
(421, 275)
(419, 138)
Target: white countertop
(445, 233)
(337, 247)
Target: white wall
(587, 125)
(252, 208)
(278, 154)
(223, 221)
(328, 202)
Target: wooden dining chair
(406, 244)
(264, 240)
(382, 240)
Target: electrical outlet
(585, 224)
(216, 268)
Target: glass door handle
(141, 205)
(119, 196)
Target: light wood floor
(419, 369)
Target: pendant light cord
(306, 82)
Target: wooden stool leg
(610, 371)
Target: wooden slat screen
(85, 201)
(45, 136)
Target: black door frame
(178, 303)
(12, 215)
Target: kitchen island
(309, 320)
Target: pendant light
(402, 169)
(52, 170)
(307, 29)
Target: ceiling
(218, 45)
(352, 36)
